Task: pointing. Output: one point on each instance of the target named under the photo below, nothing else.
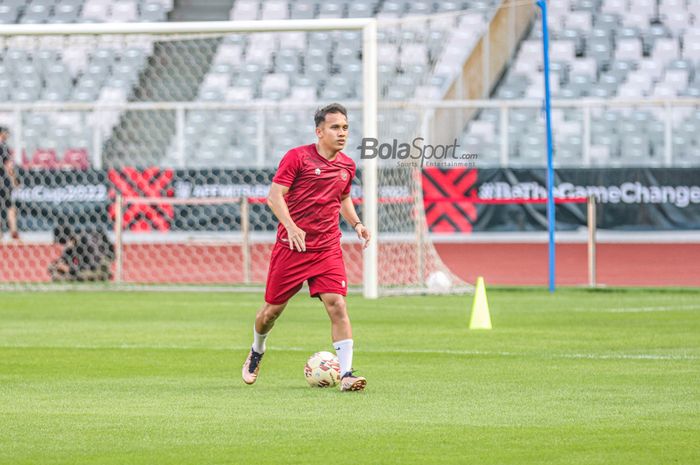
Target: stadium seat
(303, 94)
(245, 10)
(330, 9)
(35, 13)
(629, 49)
(124, 11)
(75, 159)
(229, 53)
(42, 159)
(662, 90)
(360, 10)
(239, 94)
(8, 14)
(303, 10)
(563, 50)
(152, 12)
(412, 54)
(665, 51)
(95, 10)
(275, 9)
(275, 86)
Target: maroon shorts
(324, 269)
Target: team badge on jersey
(344, 175)
(317, 171)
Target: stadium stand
(605, 49)
(413, 62)
(292, 66)
(71, 70)
(320, 66)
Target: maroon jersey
(316, 186)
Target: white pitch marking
(668, 308)
(586, 356)
(565, 356)
(660, 308)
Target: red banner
(451, 183)
(151, 182)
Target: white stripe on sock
(259, 341)
(344, 351)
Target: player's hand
(363, 234)
(297, 238)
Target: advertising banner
(628, 198)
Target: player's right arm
(276, 202)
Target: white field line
(650, 309)
(486, 353)
(667, 308)
(664, 308)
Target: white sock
(344, 351)
(259, 341)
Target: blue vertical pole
(550, 170)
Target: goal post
(368, 27)
(369, 61)
(141, 138)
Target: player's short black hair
(321, 113)
(4, 129)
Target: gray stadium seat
(6, 87)
(152, 12)
(8, 14)
(360, 10)
(330, 9)
(35, 13)
(64, 14)
(573, 35)
(26, 95)
(419, 8)
(303, 10)
(332, 93)
(320, 39)
(393, 7)
(14, 58)
(636, 150)
(446, 6)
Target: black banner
(47, 199)
(627, 198)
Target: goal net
(162, 139)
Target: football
(438, 282)
(322, 369)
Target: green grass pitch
(579, 377)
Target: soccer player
(309, 190)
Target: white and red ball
(322, 369)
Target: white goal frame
(368, 26)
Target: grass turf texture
(579, 377)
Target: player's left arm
(347, 211)
(9, 166)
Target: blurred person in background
(87, 255)
(8, 181)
